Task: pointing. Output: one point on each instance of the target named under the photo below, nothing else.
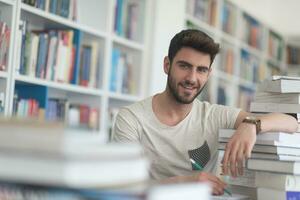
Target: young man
(173, 126)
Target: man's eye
(183, 66)
(203, 70)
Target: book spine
(293, 195)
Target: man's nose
(192, 76)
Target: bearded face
(187, 74)
(190, 92)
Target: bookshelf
(61, 60)
(7, 22)
(250, 50)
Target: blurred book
(266, 193)
(233, 197)
(288, 167)
(274, 97)
(12, 191)
(282, 148)
(43, 153)
(274, 107)
(277, 181)
(97, 172)
(264, 138)
(180, 191)
(282, 84)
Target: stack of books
(275, 158)
(278, 178)
(43, 159)
(280, 94)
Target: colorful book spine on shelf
(42, 55)
(89, 65)
(275, 46)
(251, 31)
(56, 109)
(116, 54)
(222, 95)
(83, 116)
(23, 31)
(127, 18)
(245, 97)
(293, 55)
(202, 10)
(5, 32)
(64, 57)
(95, 66)
(31, 100)
(77, 43)
(227, 59)
(249, 66)
(85, 65)
(52, 55)
(228, 18)
(118, 17)
(63, 8)
(121, 78)
(213, 13)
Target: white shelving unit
(244, 59)
(7, 16)
(95, 21)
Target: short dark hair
(195, 39)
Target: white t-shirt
(169, 148)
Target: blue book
(53, 5)
(119, 13)
(114, 70)
(39, 55)
(65, 8)
(23, 59)
(293, 195)
(37, 92)
(42, 55)
(76, 43)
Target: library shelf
(124, 97)
(128, 43)
(8, 2)
(60, 86)
(43, 17)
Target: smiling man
(174, 127)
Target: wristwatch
(255, 121)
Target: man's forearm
(175, 179)
(272, 122)
(278, 122)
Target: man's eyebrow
(184, 62)
(189, 64)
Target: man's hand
(217, 184)
(238, 149)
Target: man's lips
(189, 88)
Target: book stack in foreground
(43, 161)
(280, 94)
(276, 155)
(278, 178)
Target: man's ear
(166, 64)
